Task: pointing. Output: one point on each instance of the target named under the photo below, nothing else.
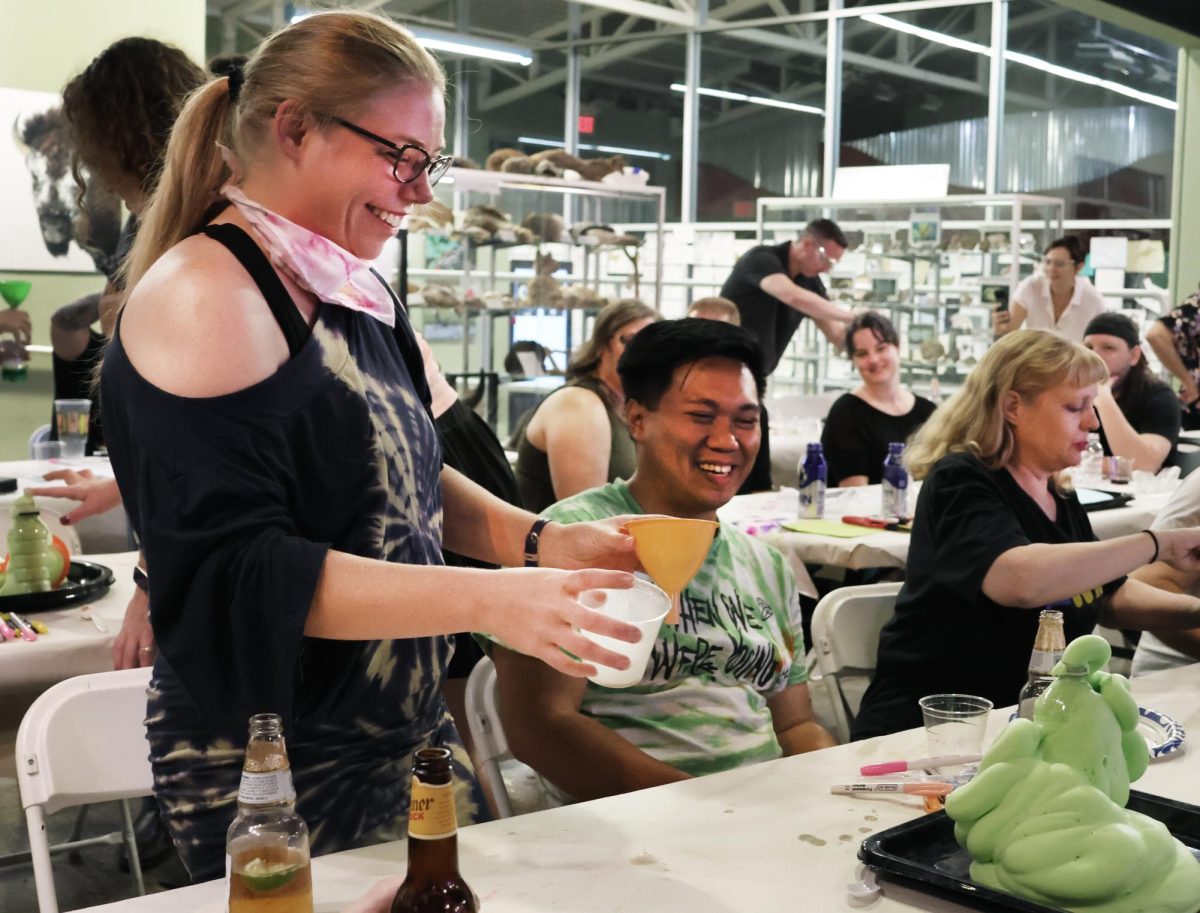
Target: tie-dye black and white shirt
(237, 499)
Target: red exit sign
(587, 123)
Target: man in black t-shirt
(1139, 414)
(777, 286)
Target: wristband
(1154, 539)
(531, 541)
(140, 578)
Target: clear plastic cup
(1120, 470)
(72, 416)
(643, 605)
(955, 724)
(47, 450)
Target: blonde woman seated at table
(576, 437)
(1057, 299)
(862, 423)
(998, 535)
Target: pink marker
(26, 632)
(895, 767)
(5, 631)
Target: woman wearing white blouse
(1057, 299)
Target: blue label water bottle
(895, 483)
(812, 483)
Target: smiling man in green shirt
(728, 685)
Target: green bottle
(28, 539)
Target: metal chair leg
(135, 863)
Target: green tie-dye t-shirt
(701, 705)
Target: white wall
(48, 42)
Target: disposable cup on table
(44, 451)
(955, 724)
(644, 606)
(71, 417)
(1120, 470)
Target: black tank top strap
(255, 262)
(406, 342)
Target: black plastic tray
(1115, 499)
(924, 855)
(86, 581)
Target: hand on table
(96, 494)
(536, 611)
(600, 543)
(134, 646)
(17, 322)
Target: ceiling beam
(646, 10)
(817, 49)
(549, 80)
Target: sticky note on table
(833, 528)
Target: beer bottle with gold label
(266, 849)
(433, 883)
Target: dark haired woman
(862, 423)
(1057, 299)
(576, 438)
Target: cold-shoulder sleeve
(237, 501)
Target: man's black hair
(650, 359)
(826, 230)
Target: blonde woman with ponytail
(269, 426)
(998, 534)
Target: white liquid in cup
(644, 606)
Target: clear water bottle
(1092, 462)
(895, 483)
(811, 483)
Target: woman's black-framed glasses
(409, 160)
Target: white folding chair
(83, 741)
(483, 719)
(845, 631)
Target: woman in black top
(998, 534)
(861, 424)
(269, 425)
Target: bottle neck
(261, 790)
(435, 860)
(1042, 661)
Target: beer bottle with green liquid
(266, 849)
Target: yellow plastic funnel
(671, 550)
